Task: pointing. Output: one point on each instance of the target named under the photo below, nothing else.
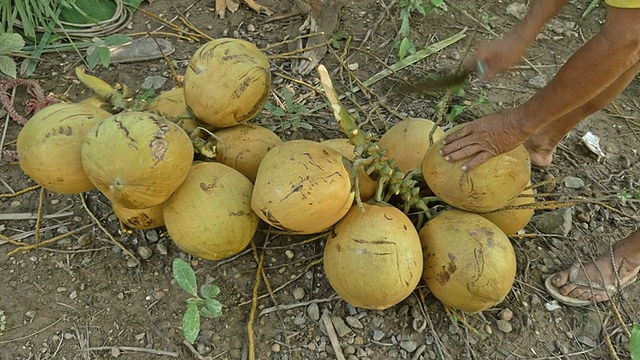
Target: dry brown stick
(289, 54)
(39, 217)
(11, 241)
(131, 348)
(188, 24)
(113, 240)
(333, 337)
(20, 192)
(293, 306)
(168, 23)
(166, 59)
(285, 42)
(163, 34)
(254, 301)
(32, 334)
(306, 268)
(47, 242)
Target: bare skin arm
(500, 54)
(611, 52)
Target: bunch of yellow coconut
(143, 162)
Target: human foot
(594, 281)
(541, 156)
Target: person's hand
(497, 56)
(484, 138)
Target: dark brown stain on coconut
(444, 275)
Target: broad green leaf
(404, 48)
(105, 56)
(10, 43)
(196, 301)
(93, 58)
(132, 3)
(8, 66)
(116, 39)
(634, 342)
(212, 308)
(437, 3)
(185, 277)
(209, 291)
(191, 323)
(405, 27)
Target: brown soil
(76, 294)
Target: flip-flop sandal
(573, 278)
(141, 50)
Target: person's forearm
(587, 73)
(540, 12)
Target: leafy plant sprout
(204, 304)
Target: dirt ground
(81, 292)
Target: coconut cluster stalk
(373, 159)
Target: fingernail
(446, 158)
(464, 167)
(444, 142)
(440, 152)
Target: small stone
(62, 229)
(120, 296)
(15, 203)
(289, 253)
(587, 341)
(299, 320)
(144, 252)
(61, 289)
(583, 217)
(341, 328)
(378, 335)
(409, 345)
(298, 293)
(561, 347)
(73, 295)
(251, 28)
(349, 350)
(354, 322)
(506, 314)
(377, 321)
(573, 182)
(554, 222)
(85, 239)
(55, 201)
(275, 347)
(552, 305)
(152, 235)
(131, 262)
(161, 248)
(314, 312)
(30, 314)
(504, 326)
(68, 336)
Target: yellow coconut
(408, 141)
(244, 146)
(210, 215)
(365, 183)
(488, 187)
(142, 219)
(469, 263)
(510, 221)
(49, 146)
(373, 260)
(302, 186)
(227, 82)
(137, 159)
(170, 103)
